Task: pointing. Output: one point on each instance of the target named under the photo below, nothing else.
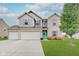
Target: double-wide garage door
(24, 35)
(30, 35)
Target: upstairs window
(26, 22)
(4, 29)
(54, 23)
(44, 22)
(37, 22)
(54, 33)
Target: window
(54, 33)
(37, 22)
(4, 29)
(26, 22)
(44, 22)
(54, 23)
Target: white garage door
(30, 35)
(13, 35)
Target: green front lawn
(3, 40)
(60, 47)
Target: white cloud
(3, 9)
(37, 6)
(57, 7)
(42, 7)
(44, 14)
(32, 7)
(9, 14)
(4, 12)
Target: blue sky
(10, 11)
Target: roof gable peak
(54, 14)
(34, 14)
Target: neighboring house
(32, 26)
(75, 36)
(3, 28)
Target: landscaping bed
(3, 38)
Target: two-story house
(32, 26)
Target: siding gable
(31, 16)
(28, 18)
(35, 16)
(54, 18)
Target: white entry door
(31, 35)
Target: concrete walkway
(21, 48)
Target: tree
(70, 18)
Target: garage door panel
(13, 35)
(30, 35)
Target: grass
(60, 48)
(3, 40)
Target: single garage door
(30, 35)
(13, 35)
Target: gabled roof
(24, 14)
(14, 27)
(34, 14)
(18, 28)
(1, 20)
(54, 15)
(29, 15)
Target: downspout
(34, 22)
(19, 33)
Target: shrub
(59, 38)
(0, 37)
(51, 38)
(55, 38)
(5, 37)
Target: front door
(44, 34)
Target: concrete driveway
(21, 48)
